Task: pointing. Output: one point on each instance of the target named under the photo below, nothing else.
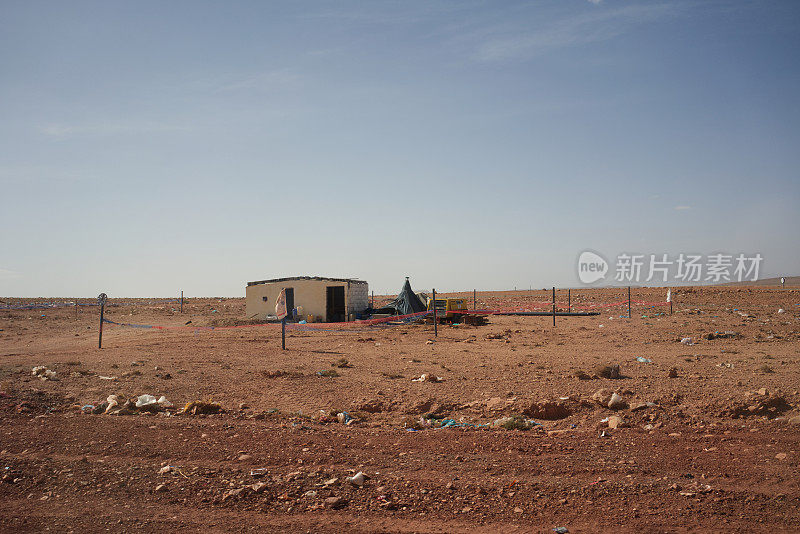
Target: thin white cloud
(588, 28)
(5, 274)
(61, 130)
(595, 2)
(261, 81)
(682, 208)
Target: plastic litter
(687, 341)
(427, 378)
(642, 359)
(345, 418)
(560, 530)
(146, 400)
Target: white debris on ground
(43, 373)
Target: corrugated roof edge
(320, 278)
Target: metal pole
(629, 303)
(435, 326)
(100, 340)
(373, 301)
(283, 333)
(554, 306)
(569, 300)
(474, 300)
(181, 301)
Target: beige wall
(310, 294)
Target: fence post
(181, 301)
(554, 306)
(102, 300)
(629, 303)
(474, 300)
(569, 300)
(435, 326)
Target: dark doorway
(289, 302)
(335, 310)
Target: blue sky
(149, 147)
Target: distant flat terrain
(791, 281)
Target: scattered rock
(642, 405)
(371, 406)
(43, 373)
(780, 456)
(231, 494)
(768, 404)
(720, 335)
(421, 406)
(258, 487)
(548, 410)
(582, 375)
(673, 373)
(161, 488)
(498, 404)
(335, 503)
(608, 371)
(616, 421)
(515, 422)
(358, 479)
(602, 396)
(616, 402)
(199, 407)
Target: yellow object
(310, 318)
(447, 308)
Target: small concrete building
(326, 299)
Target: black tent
(407, 301)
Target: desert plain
(510, 431)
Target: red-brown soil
(717, 450)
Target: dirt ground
(706, 432)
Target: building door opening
(335, 309)
(290, 301)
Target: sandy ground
(707, 440)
